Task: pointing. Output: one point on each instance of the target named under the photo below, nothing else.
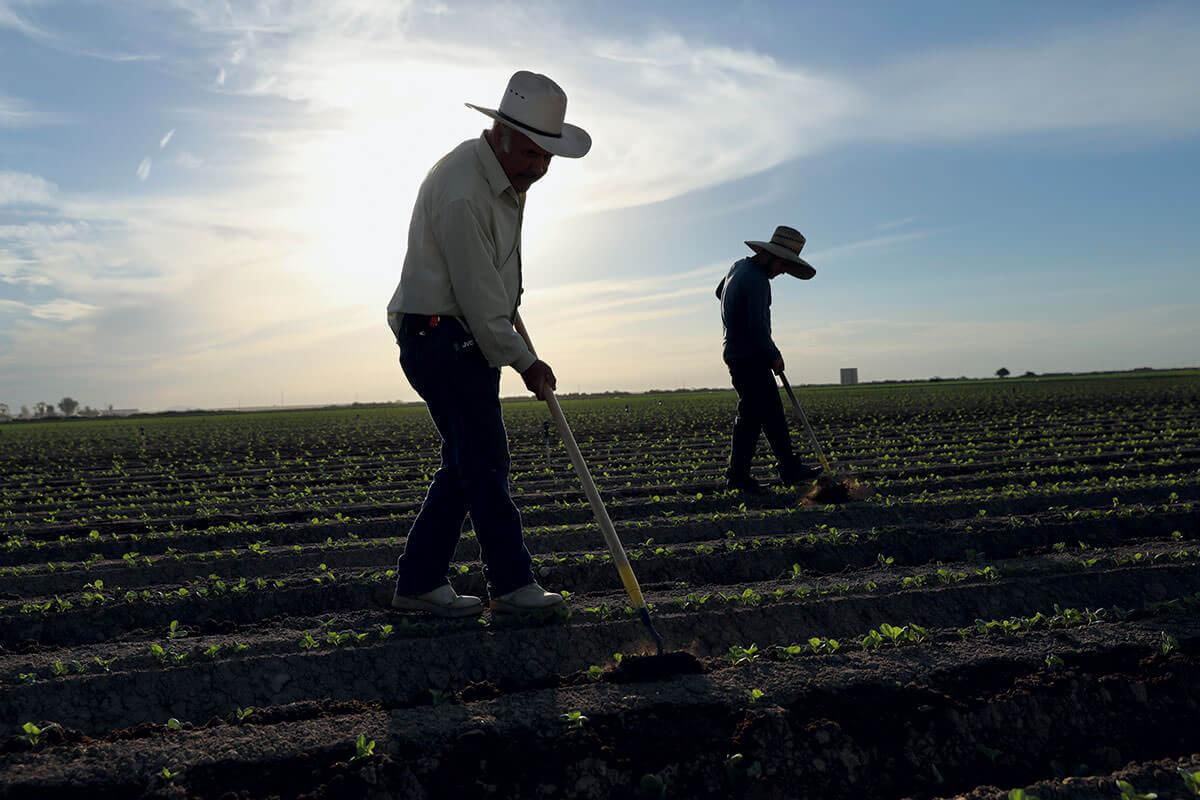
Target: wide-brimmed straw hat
(536, 106)
(787, 244)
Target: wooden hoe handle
(589, 486)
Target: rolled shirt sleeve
(478, 286)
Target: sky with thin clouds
(205, 204)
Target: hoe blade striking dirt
(830, 488)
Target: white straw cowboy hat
(535, 105)
(787, 244)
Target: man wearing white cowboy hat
(751, 355)
(452, 316)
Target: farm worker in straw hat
(751, 355)
(452, 316)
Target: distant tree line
(67, 407)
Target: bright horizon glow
(206, 205)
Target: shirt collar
(492, 170)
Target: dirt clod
(641, 669)
(830, 491)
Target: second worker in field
(452, 316)
(751, 355)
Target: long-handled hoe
(830, 487)
(677, 662)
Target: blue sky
(205, 204)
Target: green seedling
(167, 774)
(654, 785)
(755, 695)
(893, 633)
(440, 696)
(174, 724)
(309, 643)
(574, 719)
(33, 734)
(1167, 642)
(362, 748)
(1021, 794)
(1130, 793)
(991, 752)
(872, 640)
(1054, 662)
(242, 714)
(213, 651)
(1191, 780)
(740, 655)
(595, 672)
(385, 631)
(59, 668)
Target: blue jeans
(462, 391)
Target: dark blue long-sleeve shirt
(745, 295)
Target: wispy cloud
(645, 95)
(17, 114)
(62, 310)
(22, 24)
(874, 242)
(143, 170)
(896, 223)
(165, 139)
(187, 160)
(19, 188)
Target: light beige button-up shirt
(464, 252)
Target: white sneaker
(528, 598)
(441, 602)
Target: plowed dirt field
(196, 606)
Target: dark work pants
(462, 392)
(758, 409)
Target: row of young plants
(325, 635)
(875, 448)
(670, 504)
(219, 585)
(235, 438)
(201, 499)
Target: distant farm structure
(849, 376)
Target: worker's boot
(797, 473)
(744, 484)
(530, 597)
(441, 602)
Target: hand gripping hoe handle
(589, 488)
